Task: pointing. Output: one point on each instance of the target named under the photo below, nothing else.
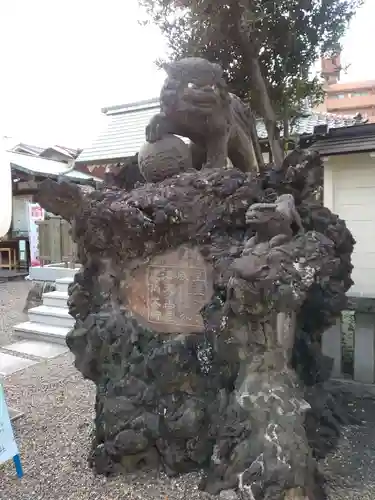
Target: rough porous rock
(125, 174)
(35, 295)
(200, 308)
(243, 397)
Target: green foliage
(287, 37)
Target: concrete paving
(37, 348)
(6, 275)
(10, 364)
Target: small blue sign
(8, 445)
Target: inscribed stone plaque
(169, 292)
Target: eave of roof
(338, 146)
(32, 150)
(56, 149)
(37, 166)
(132, 106)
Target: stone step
(63, 283)
(43, 332)
(10, 364)
(37, 348)
(56, 299)
(56, 316)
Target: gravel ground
(13, 296)
(352, 467)
(53, 437)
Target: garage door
(354, 201)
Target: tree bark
(250, 54)
(285, 135)
(268, 113)
(256, 144)
(286, 128)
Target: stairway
(51, 321)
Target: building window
(362, 93)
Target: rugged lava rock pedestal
(199, 311)
(202, 300)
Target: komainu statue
(196, 104)
(202, 301)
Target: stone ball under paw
(165, 158)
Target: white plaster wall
(349, 191)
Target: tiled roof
(343, 145)
(68, 152)
(42, 167)
(125, 132)
(347, 141)
(72, 151)
(41, 151)
(305, 124)
(30, 149)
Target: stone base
(35, 295)
(219, 394)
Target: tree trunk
(285, 134)
(250, 54)
(255, 140)
(268, 113)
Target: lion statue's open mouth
(191, 95)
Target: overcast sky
(61, 61)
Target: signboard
(36, 213)
(8, 445)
